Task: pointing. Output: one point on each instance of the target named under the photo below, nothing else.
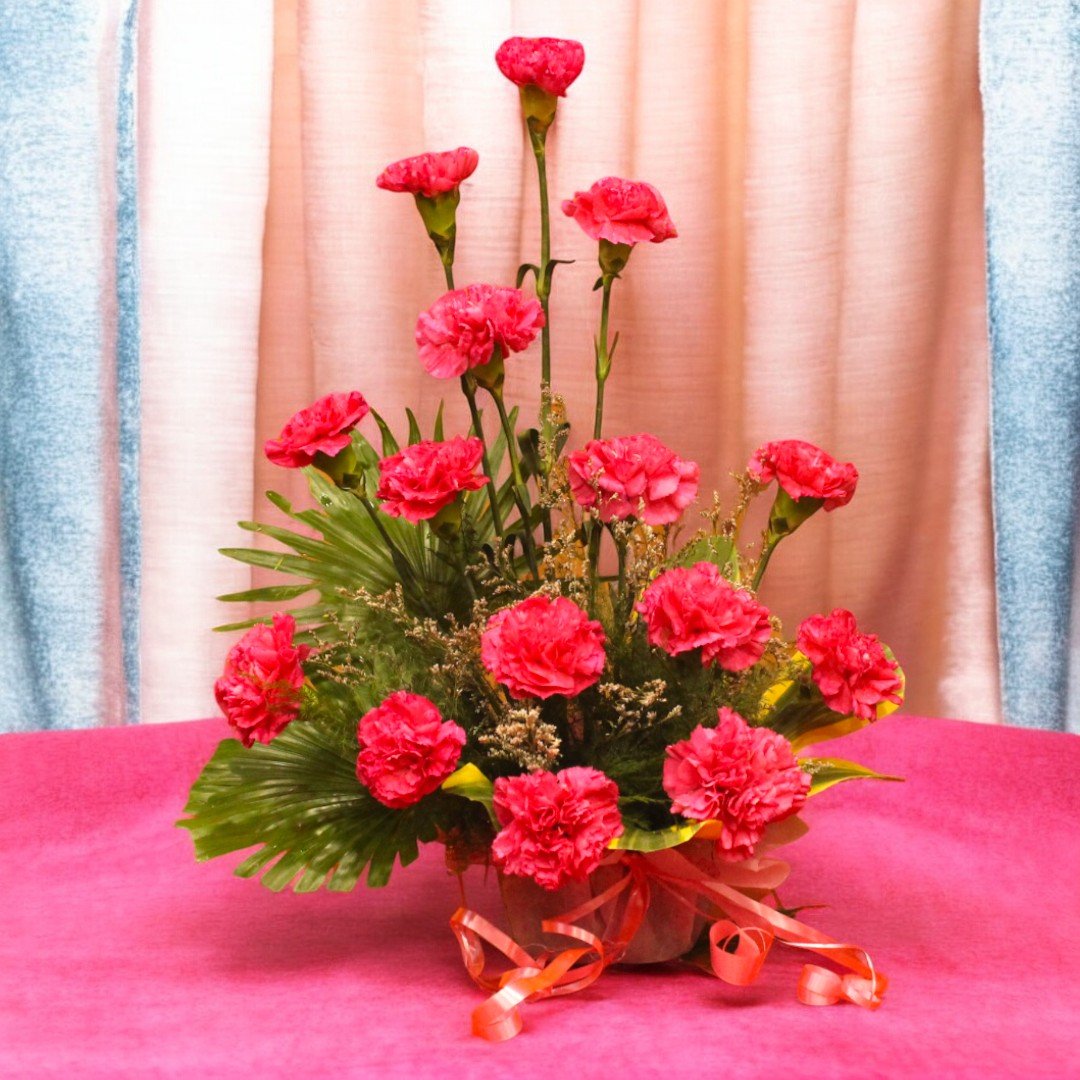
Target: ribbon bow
(737, 950)
(545, 975)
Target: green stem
(543, 279)
(538, 139)
(603, 356)
(474, 412)
(518, 486)
(596, 531)
(492, 491)
(620, 548)
(463, 566)
(766, 555)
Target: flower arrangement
(536, 657)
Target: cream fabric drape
(204, 136)
(822, 164)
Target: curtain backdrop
(821, 161)
(69, 364)
(1031, 86)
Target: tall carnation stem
(519, 488)
(603, 355)
(478, 427)
(538, 139)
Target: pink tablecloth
(120, 956)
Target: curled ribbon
(534, 978)
(737, 950)
(823, 986)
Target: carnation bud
(342, 468)
(614, 257)
(440, 220)
(491, 375)
(538, 107)
(787, 514)
(447, 522)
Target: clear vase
(670, 928)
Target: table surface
(120, 956)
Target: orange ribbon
(545, 975)
(822, 986)
(736, 952)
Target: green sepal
(440, 216)
(538, 107)
(614, 257)
(787, 514)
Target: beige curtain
(822, 164)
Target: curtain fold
(822, 165)
(206, 75)
(69, 326)
(1031, 89)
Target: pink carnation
(744, 777)
(430, 174)
(852, 670)
(550, 63)
(464, 327)
(543, 646)
(621, 211)
(406, 749)
(805, 471)
(320, 428)
(633, 476)
(556, 826)
(259, 690)
(423, 478)
(696, 607)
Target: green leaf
(826, 772)
(414, 428)
(299, 802)
(523, 272)
(635, 839)
(470, 783)
(389, 443)
(438, 436)
(708, 548)
(529, 443)
(268, 593)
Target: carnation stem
(596, 532)
(478, 427)
(620, 548)
(463, 565)
(603, 355)
(519, 488)
(538, 139)
(766, 554)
